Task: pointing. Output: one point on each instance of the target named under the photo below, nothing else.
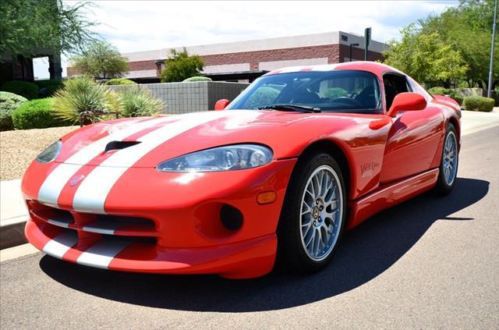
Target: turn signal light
(266, 197)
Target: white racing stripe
(101, 254)
(57, 179)
(58, 246)
(93, 191)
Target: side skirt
(391, 195)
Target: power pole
(492, 46)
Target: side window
(394, 84)
(420, 90)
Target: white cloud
(146, 25)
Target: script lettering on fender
(368, 169)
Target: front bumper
(247, 259)
(167, 223)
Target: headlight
(234, 157)
(50, 153)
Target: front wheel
(449, 162)
(313, 214)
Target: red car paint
(172, 219)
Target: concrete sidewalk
(473, 121)
(13, 213)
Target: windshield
(336, 91)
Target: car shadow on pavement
(365, 253)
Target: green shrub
(438, 91)
(459, 99)
(478, 103)
(49, 87)
(84, 101)
(262, 97)
(495, 95)
(197, 78)
(24, 88)
(453, 93)
(37, 114)
(120, 81)
(8, 103)
(136, 101)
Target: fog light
(231, 217)
(266, 197)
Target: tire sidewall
(442, 186)
(291, 251)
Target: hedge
(453, 93)
(120, 81)
(478, 103)
(197, 78)
(49, 87)
(24, 88)
(37, 114)
(8, 103)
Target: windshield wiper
(290, 107)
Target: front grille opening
(52, 215)
(117, 221)
(143, 240)
(121, 226)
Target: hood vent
(117, 145)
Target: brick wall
(334, 53)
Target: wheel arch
(454, 121)
(338, 152)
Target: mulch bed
(18, 148)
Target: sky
(145, 25)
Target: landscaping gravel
(18, 148)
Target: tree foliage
(468, 29)
(28, 26)
(180, 66)
(458, 38)
(426, 57)
(100, 60)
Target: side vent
(117, 145)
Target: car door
(414, 137)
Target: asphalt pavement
(431, 262)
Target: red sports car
(302, 154)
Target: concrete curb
(13, 214)
(13, 234)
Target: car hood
(144, 142)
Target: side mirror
(407, 102)
(221, 104)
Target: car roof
(374, 67)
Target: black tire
(292, 254)
(444, 186)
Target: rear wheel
(313, 214)
(449, 162)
